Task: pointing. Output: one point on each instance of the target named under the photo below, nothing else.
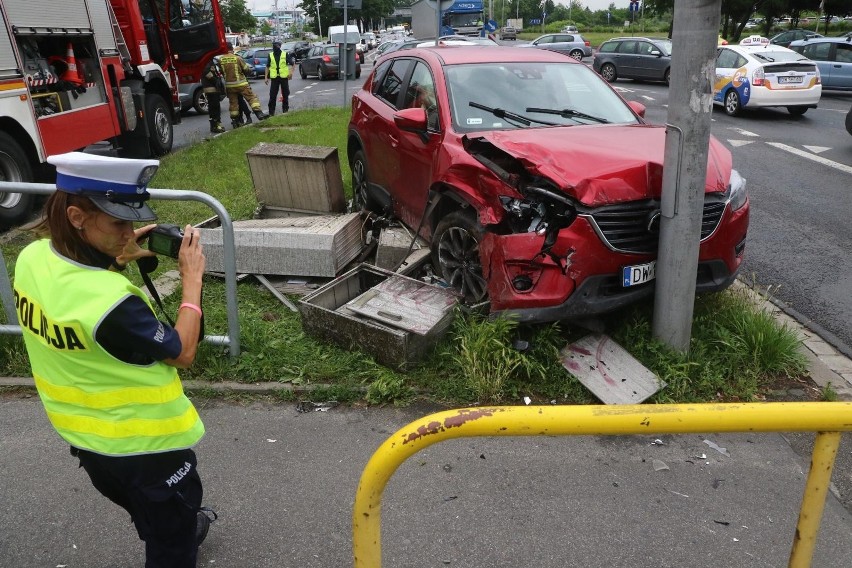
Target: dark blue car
(257, 58)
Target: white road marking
(817, 159)
(647, 98)
(745, 132)
(816, 149)
(738, 143)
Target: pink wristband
(191, 307)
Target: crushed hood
(600, 165)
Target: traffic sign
(535, 21)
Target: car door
(626, 62)
(841, 72)
(648, 58)
(410, 186)
(731, 72)
(562, 43)
(821, 53)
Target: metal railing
(231, 340)
(828, 419)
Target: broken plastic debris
(736, 540)
(308, 406)
(271, 440)
(660, 465)
(718, 448)
(527, 400)
(658, 442)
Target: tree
(237, 16)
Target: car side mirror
(411, 119)
(637, 107)
(656, 52)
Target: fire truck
(77, 72)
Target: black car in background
(784, 39)
(324, 62)
(634, 58)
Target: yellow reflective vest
(94, 401)
(280, 67)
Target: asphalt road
(284, 484)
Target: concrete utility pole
(696, 25)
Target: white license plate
(638, 274)
(787, 80)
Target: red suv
(537, 186)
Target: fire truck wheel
(159, 119)
(14, 166)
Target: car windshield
(523, 95)
(665, 44)
(775, 56)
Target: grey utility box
(293, 176)
(394, 318)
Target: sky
(258, 5)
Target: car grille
(634, 227)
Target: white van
(344, 34)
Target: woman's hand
(191, 259)
(132, 251)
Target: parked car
(509, 33)
(192, 97)
(634, 58)
(324, 62)
(541, 196)
(570, 30)
(785, 38)
(568, 44)
(757, 73)
(833, 57)
(257, 58)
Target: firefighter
(234, 68)
(279, 68)
(213, 85)
(104, 366)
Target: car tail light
(588, 43)
(758, 77)
(326, 58)
(818, 77)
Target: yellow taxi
(756, 73)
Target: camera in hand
(165, 240)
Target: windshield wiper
(568, 113)
(503, 113)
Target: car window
(379, 76)
(727, 59)
(844, 53)
(608, 47)
(816, 51)
(421, 93)
(543, 40)
(563, 39)
(392, 83)
(645, 48)
(627, 47)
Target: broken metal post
(813, 500)
(281, 297)
(823, 417)
(696, 24)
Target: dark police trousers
(274, 85)
(162, 492)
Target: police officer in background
(236, 85)
(279, 68)
(213, 86)
(104, 366)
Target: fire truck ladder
(119, 37)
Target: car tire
(667, 76)
(849, 121)
(608, 72)
(361, 183)
(576, 54)
(14, 166)
(797, 110)
(159, 125)
(320, 74)
(455, 255)
(199, 101)
(302, 72)
(732, 103)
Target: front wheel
(361, 183)
(797, 110)
(577, 54)
(732, 103)
(14, 166)
(302, 72)
(608, 72)
(455, 255)
(161, 135)
(667, 76)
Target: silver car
(569, 44)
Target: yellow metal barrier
(828, 419)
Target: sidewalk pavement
(284, 481)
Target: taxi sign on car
(755, 40)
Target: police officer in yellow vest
(236, 85)
(279, 68)
(105, 367)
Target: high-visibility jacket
(94, 401)
(279, 67)
(234, 68)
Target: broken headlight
(542, 211)
(737, 190)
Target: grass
(737, 350)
